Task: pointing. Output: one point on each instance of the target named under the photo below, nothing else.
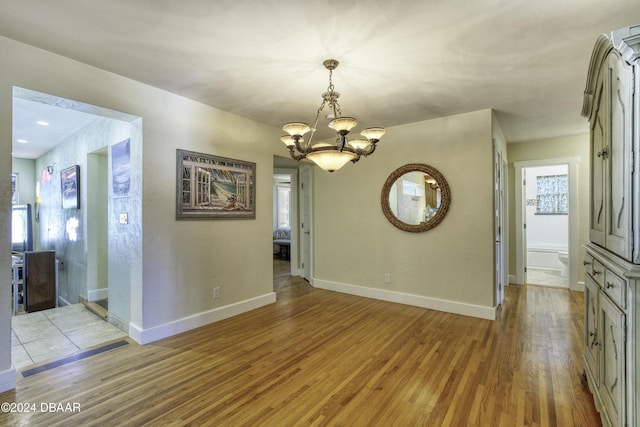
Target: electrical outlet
(387, 278)
(216, 293)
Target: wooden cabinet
(35, 281)
(611, 155)
(611, 356)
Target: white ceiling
(401, 61)
(39, 139)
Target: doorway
(97, 255)
(285, 216)
(97, 232)
(546, 222)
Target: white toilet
(563, 256)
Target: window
(552, 195)
(283, 195)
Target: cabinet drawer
(615, 288)
(597, 272)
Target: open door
(306, 236)
(499, 227)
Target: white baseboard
(145, 336)
(513, 280)
(578, 288)
(410, 299)
(118, 322)
(62, 302)
(7, 380)
(98, 294)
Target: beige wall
(574, 146)
(356, 245)
(181, 261)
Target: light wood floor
(323, 358)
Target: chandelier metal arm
(294, 156)
(370, 150)
(296, 142)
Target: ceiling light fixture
(42, 123)
(22, 141)
(330, 156)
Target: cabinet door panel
(591, 349)
(618, 191)
(612, 360)
(597, 213)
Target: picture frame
(15, 194)
(121, 168)
(70, 187)
(213, 187)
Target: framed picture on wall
(70, 187)
(212, 187)
(15, 195)
(120, 168)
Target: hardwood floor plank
(323, 358)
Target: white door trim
(306, 271)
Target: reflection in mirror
(415, 197)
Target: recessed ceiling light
(42, 123)
(23, 141)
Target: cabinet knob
(603, 153)
(586, 262)
(596, 272)
(610, 285)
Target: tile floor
(51, 334)
(546, 278)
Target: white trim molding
(7, 380)
(98, 294)
(145, 336)
(446, 306)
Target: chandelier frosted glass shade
(289, 141)
(360, 144)
(373, 133)
(296, 128)
(330, 156)
(343, 124)
(331, 160)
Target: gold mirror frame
(445, 197)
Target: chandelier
(330, 156)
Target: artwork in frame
(15, 195)
(70, 187)
(212, 187)
(121, 168)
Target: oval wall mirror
(415, 197)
